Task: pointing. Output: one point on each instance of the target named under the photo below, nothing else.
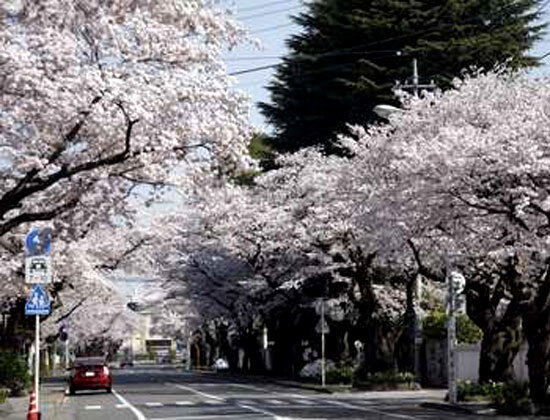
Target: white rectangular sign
(38, 269)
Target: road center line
(136, 412)
(372, 410)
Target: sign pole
(323, 373)
(37, 362)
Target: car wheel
(109, 390)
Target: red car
(90, 373)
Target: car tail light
(105, 371)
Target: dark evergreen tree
(345, 61)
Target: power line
(258, 15)
(254, 58)
(382, 41)
(253, 70)
(337, 53)
(324, 68)
(261, 6)
(272, 28)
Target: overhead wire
(272, 28)
(261, 6)
(268, 13)
(378, 42)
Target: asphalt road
(153, 393)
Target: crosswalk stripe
(213, 402)
(153, 404)
(275, 402)
(122, 406)
(184, 403)
(305, 402)
(92, 407)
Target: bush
(381, 381)
(472, 391)
(435, 326)
(340, 375)
(4, 392)
(13, 373)
(513, 399)
(312, 370)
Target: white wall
(468, 362)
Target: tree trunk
(536, 322)
(537, 363)
(499, 348)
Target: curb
(282, 382)
(449, 407)
(303, 386)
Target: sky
(269, 21)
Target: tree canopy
(345, 59)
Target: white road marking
(252, 387)
(92, 407)
(259, 410)
(121, 406)
(304, 401)
(372, 410)
(153, 404)
(136, 412)
(213, 402)
(185, 403)
(209, 416)
(275, 402)
(194, 391)
(218, 400)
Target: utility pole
(451, 334)
(415, 86)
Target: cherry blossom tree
(252, 252)
(97, 98)
(470, 168)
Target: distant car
(90, 373)
(220, 365)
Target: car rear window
(89, 366)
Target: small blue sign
(38, 302)
(37, 241)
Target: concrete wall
(468, 362)
(435, 365)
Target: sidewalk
(15, 408)
(51, 395)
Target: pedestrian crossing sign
(38, 301)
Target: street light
(384, 111)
